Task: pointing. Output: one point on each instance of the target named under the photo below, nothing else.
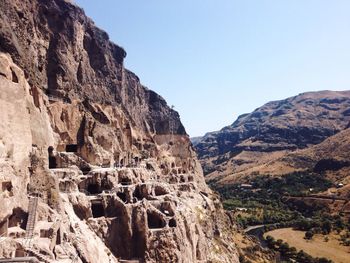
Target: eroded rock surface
(94, 167)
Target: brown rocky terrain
(281, 137)
(94, 167)
(330, 157)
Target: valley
(284, 170)
(95, 167)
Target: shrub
(309, 235)
(270, 242)
(323, 260)
(326, 227)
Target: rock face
(63, 53)
(270, 132)
(94, 167)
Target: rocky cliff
(94, 167)
(258, 139)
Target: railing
(20, 259)
(38, 255)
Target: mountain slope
(331, 156)
(272, 131)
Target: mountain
(94, 167)
(275, 131)
(195, 140)
(330, 157)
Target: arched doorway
(52, 158)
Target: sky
(216, 59)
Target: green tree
(326, 227)
(303, 257)
(339, 224)
(284, 248)
(279, 242)
(309, 234)
(324, 260)
(270, 241)
(292, 252)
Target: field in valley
(317, 247)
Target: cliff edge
(94, 167)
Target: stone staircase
(32, 207)
(39, 256)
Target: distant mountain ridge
(272, 131)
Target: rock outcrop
(94, 167)
(270, 132)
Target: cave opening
(52, 158)
(172, 222)
(18, 218)
(155, 220)
(94, 189)
(20, 253)
(97, 209)
(125, 181)
(167, 209)
(6, 186)
(72, 148)
(58, 237)
(122, 196)
(159, 190)
(85, 170)
(139, 241)
(141, 192)
(45, 233)
(14, 76)
(137, 193)
(149, 167)
(106, 185)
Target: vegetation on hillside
(262, 200)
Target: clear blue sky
(216, 59)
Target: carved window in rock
(94, 188)
(97, 209)
(71, 148)
(172, 222)
(155, 220)
(52, 158)
(6, 187)
(18, 218)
